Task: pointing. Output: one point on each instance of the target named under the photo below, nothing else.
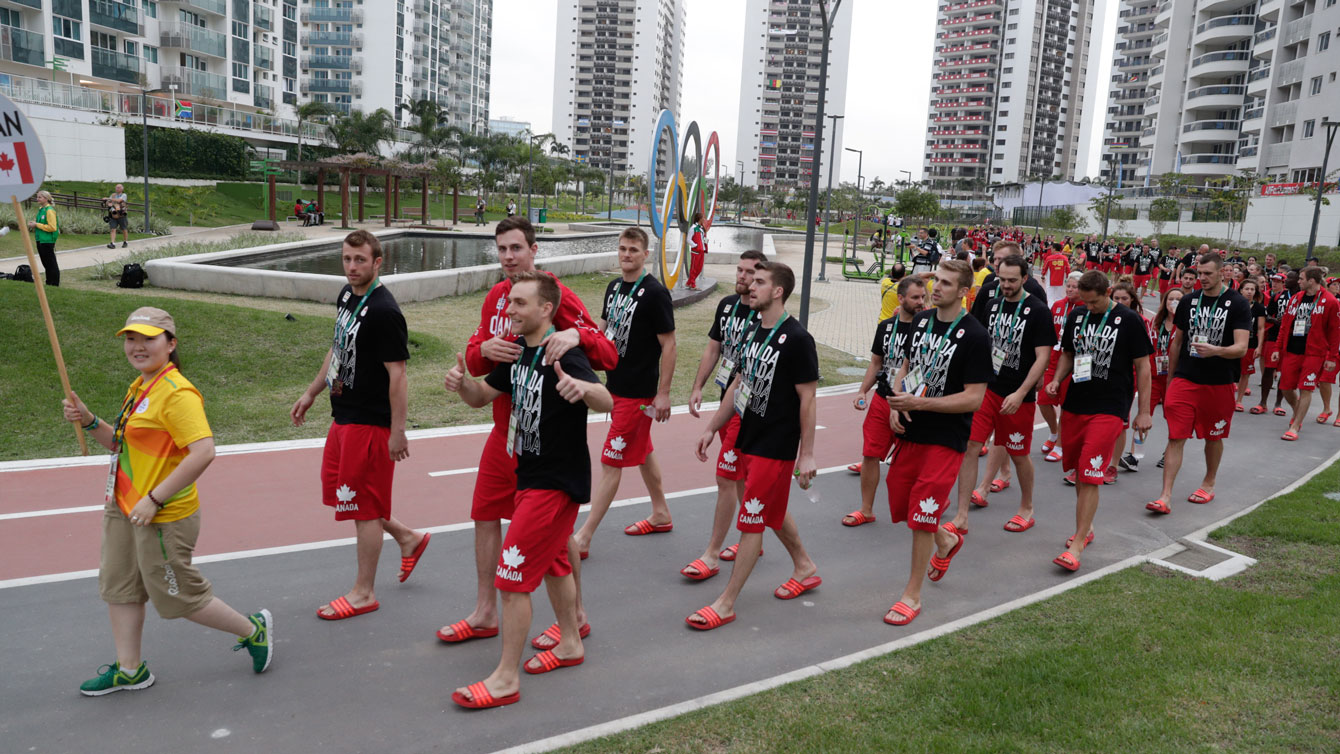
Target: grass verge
(1144, 660)
(248, 360)
(11, 245)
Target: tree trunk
(362, 189)
(456, 205)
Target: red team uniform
(1309, 336)
(1060, 310)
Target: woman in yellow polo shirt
(161, 443)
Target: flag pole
(46, 314)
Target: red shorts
(878, 435)
(1158, 387)
(536, 544)
(1300, 372)
(1092, 265)
(1141, 281)
(628, 442)
(767, 489)
(1013, 432)
(730, 465)
(1043, 398)
(1127, 269)
(920, 480)
(495, 483)
(1249, 362)
(356, 472)
(1270, 354)
(1089, 438)
(1205, 409)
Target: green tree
(363, 132)
(915, 202)
(1163, 210)
(1063, 218)
(309, 111)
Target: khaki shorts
(134, 570)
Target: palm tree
(427, 114)
(363, 132)
(309, 111)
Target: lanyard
(1199, 321)
(737, 342)
(1085, 325)
(1164, 339)
(996, 332)
(132, 405)
(341, 333)
(538, 351)
(940, 348)
(618, 311)
(753, 365)
(893, 341)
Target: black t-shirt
(550, 431)
(1122, 340)
(634, 319)
(1145, 261)
(1274, 312)
(1298, 343)
(1017, 328)
(1258, 311)
(377, 336)
(1235, 259)
(1189, 262)
(964, 360)
(1216, 318)
(1093, 252)
(1167, 266)
(991, 288)
(728, 326)
(770, 426)
(891, 352)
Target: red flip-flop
(463, 631)
(1158, 506)
(480, 698)
(1200, 497)
(1067, 561)
(977, 500)
(646, 527)
(556, 635)
(1280, 412)
(794, 589)
(584, 554)
(344, 609)
(857, 518)
(1323, 416)
(907, 613)
(998, 485)
(983, 451)
(952, 529)
(729, 553)
(1257, 410)
(1087, 540)
(703, 572)
(550, 661)
(854, 468)
(942, 564)
(1290, 436)
(710, 619)
(407, 565)
(1019, 524)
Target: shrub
(186, 153)
(83, 221)
(112, 270)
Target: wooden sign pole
(46, 314)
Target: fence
(75, 201)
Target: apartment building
(779, 93)
(617, 64)
(1227, 86)
(1012, 93)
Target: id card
(1300, 325)
(1196, 341)
(1083, 368)
(997, 358)
(1161, 364)
(914, 383)
(742, 396)
(722, 378)
(511, 433)
(333, 373)
(110, 495)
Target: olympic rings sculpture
(685, 195)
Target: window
(151, 8)
(10, 18)
(1309, 126)
(131, 48)
(104, 41)
(150, 54)
(1323, 41)
(1316, 85)
(65, 28)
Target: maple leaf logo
(344, 494)
(753, 507)
(928, 505)
(512, 557)
(618, 443)
(1016, 438)
(6, 164)
(1096, 463)
(1220, 424)
(1312, 377)
(729, 456)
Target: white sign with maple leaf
(23, 164)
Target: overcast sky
(888, 88)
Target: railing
(334, 86)
(265, 96)
(118, 66)
(1212, 125)
(263, 17)
(1259, 73)
(37, 4)
(1253, 114)
(1210, 91)
(1265, 35)
(194, 38)
(1214, 57)
(340, 62)
(217, 7)
(1290, 72)
(1214, 23)
(115, 15)
(1283, 113)
(332, 15)
(197, 83)
(336, 38)
(1297, 30)
(263, 57)
(1210, 159)
(22, 46)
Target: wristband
(93, 424)
(154, 500)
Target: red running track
(271, 498)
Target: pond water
(427, 252)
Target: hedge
(187, 153)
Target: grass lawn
(1144, 660)
(248, 360)
(11, 245)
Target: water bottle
(648, 410)
(1138, 445)
(810, 492)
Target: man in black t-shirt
(926, 251)
(1213, 326)
(1104, 350)
(1021, 340)
(886, 356)
(1146, 262)
(1167, 266)
(547, 436)
(639, 318)
(1093, 254)
(946, 365)
(773, 393)
(991, 287)
(365, 371)
(1276, 299)
(731, 320)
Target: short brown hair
(516, 222)
(545, 285)
(1006, 243)
(1314, 273)
(907, 283)
(960, 268)
(754, 254)
(780, 274)
(1016, 261)
(636, 234)
(1211, 258)
(1093, 281)
(360, 238)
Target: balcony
(21, 46)
(1218, 95)
(1297, 31)
(332, 39)
(334, 62)
(1210, 131)
(194, 38)
(971, 105)
(987, 34)
(195, 83)
(35, 4)
(263, 18)
(1209, 164)
(1283, 114)
(263, 57)
(331, 86)
(1224, 62)
(957, 9)
(265, 96)
(114, 15)
(1260, 39)
(1290, 73)
(332, 15)
(118, 66)
(217, 7)
(1225, 29)
(973, 62)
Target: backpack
(132, 276)
(23, 273)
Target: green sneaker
(261, 643)
(113, 678)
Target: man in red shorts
(369, 399)
(1146, 263)
(773, 393)
(1055, 268)
(1277, 299)
(490, 345)
(1105, 351)
(1309, 337)
(1048, 403)
(886, 356)
(733, 317)
(1213, 326)
(1021, 338)
(547, 437)
(639, 318)
(946, 366)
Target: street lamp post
(828, 201)
(609, 208)
(812, 205)
(1330, 127)
(1037, 221)
(144, 147)
(1111, 176)
(739, 194)
(860, 197)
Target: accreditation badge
(511, 432)
(1083, 368)
(1300, 325)
(913, 382)
(742, 395)
(997, 358)
(110, 494)
(724, 371)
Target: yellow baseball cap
(148, 320)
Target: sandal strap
(479, 693)
(792, 587)
(554, 632)
(712, 620)
(902, 609)
(698, 565)
(342, 607)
